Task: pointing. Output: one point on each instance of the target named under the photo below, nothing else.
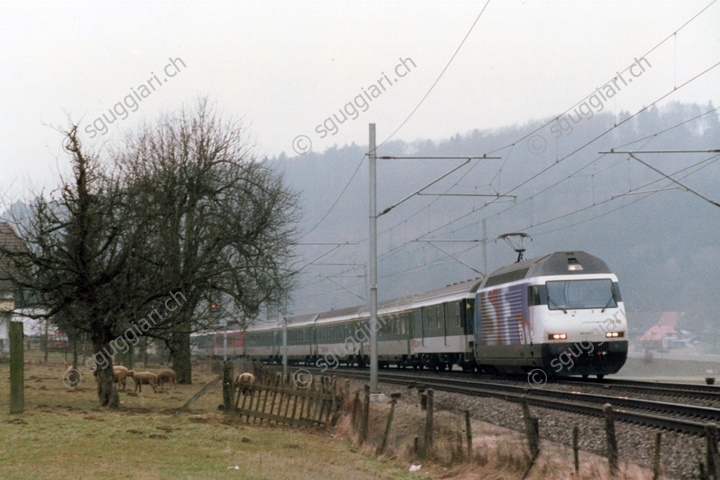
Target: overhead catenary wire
(589, 164)
(412, 112)
(622, 71)
(565, 157)
(511, 145)
(646, 138)
(585, 145)
(698, 194)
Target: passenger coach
(561, 313)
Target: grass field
(64, 435)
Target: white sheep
(166, 376)
(146, 378)
(244, 382)
(120, 374)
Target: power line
(525, 182)
(652, 136)
(524, 137)
(648, 138)
(623, 71)
(532, 132)
(709, 162)
(347, 185)
(698, 194)
(437, 80)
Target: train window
(537, 295)
(577, 294)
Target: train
(561, 313)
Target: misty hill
(664, 244)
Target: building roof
(657, 332)
(9, 241)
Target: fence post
(365, 416)
(611, 440)
(429, 422)
(575, 450)
(393, 400)
(17, 378)
(656, 459)
(468, 434)
(356, 411)
(228, 386)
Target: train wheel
(585, 376)
(600, 376)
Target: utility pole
(373, 265)
(284, 346)
(372, 279)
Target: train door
(439, 323)
(424, 324)
(407, 331)
(313, 342)
(447, 314)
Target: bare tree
(183, 216)
(80, 244)
(222, 223)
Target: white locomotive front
(561, 312)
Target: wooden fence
(276, 399)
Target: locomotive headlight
(614, 334)
(574, 265)
(557, 336)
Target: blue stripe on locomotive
(502, 316)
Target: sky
(434, 69)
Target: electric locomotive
(561, 312)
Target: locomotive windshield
(576, 294)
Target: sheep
(120, 374)
(146, 378)
(166, 376)
(244, 382)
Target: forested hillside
(551, 182)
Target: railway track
(678, 417)
(677, 390)
(706, 392)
